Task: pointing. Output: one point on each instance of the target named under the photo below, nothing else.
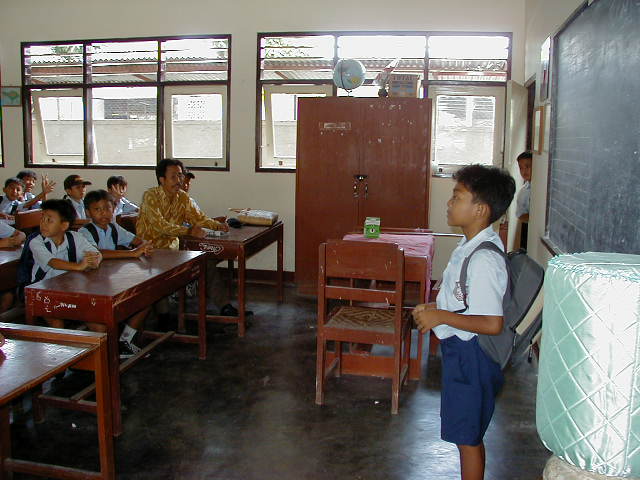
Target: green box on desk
(372, 227)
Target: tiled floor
(248, 412)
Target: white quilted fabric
(588, 398)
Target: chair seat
(363, 318)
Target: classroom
(235, 379)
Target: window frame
(86, 87)
(425, 74)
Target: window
(97, 102)
(295, 65)
(195, 130)
(468, 126)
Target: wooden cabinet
(357, 158)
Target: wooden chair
(128, 221)
(384, 262)
(28, 221)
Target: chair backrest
(345, 259)
(128, 221)
(28, 220)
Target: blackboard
(594, 172)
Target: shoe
(230, 311)
(127, 349)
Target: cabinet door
(395, 158)
(327, 159)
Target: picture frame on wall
(10, 96)
(545, 62)
(538, 130)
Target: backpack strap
(486, 245)
(14, 208)
(71, 248)
(93, 231)
(40, 273)
(114, 235)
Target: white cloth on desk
(487, 279)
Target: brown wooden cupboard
(357, 158)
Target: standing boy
(51, 249)
(107, 237)
(76, 188)
(525, 159)
(470, 379)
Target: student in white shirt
(51, 249)
(10, 202)
(470, 378)
(117, 187)
(76, 188)
(525, 160)
(107, 236)
(29, 178)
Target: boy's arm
(484, 324)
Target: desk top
(237, 235)
(8, 255)
(116, 276)
(413, 245)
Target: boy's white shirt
(522, 200)
(6, 205)
(79, 207)
(42, 256)
(487, 279)
(6, 230)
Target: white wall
(544, 18)
(36, 20)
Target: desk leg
(113, 364)
(241, 291)
(230, 280)
(5, 440)
(105, 417)
(280, 267)
(202, 310)
(182, 293)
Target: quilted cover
(588, 398)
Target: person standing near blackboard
(525, 159)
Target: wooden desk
(241, 244)
(9, 258)
(32, 355)
(111, 294)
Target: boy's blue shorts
(470, 383)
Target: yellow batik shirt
(162, 217)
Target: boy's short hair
(11, 180)
(524, 155)
(27, 173)
(161, 168)
(116, 180)
(492, 186)
(63, 207)
(188, 174)
(96, 196)
(73, 180)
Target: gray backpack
(525, 281)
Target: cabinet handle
(355, 189)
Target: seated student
(29, 178)
(186, 185)
(9, 238)
(107, 236)
(76, 188)
(164, 211)
(51, 249)
(117, 187)
(470, 378)
(10, 202)
(525, 159)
